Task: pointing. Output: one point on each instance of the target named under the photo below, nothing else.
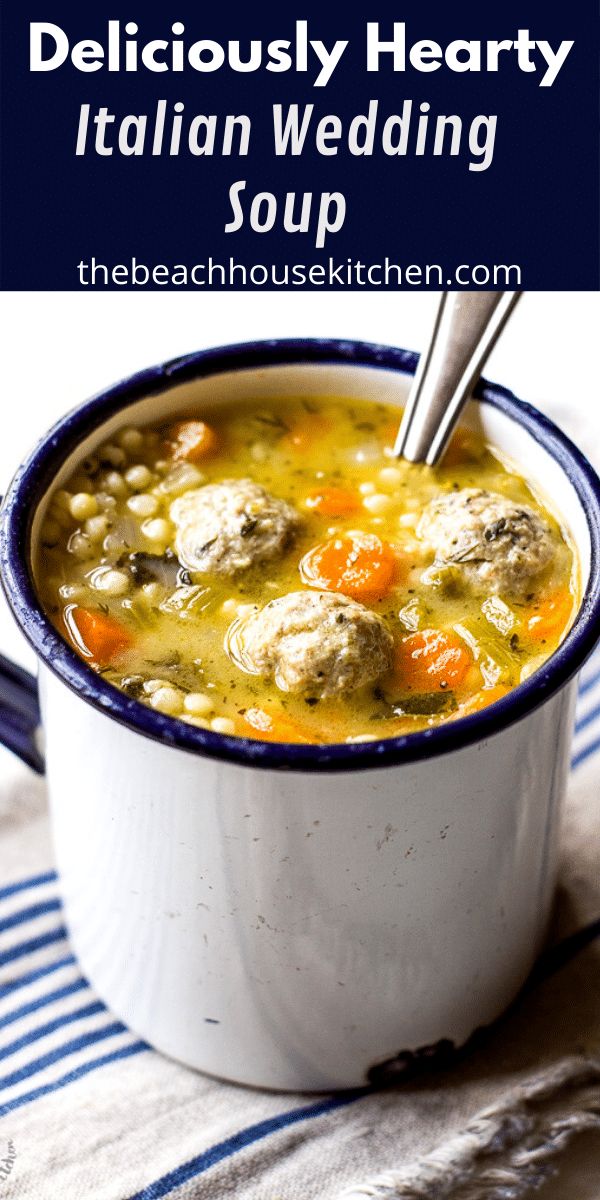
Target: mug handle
(20, 714)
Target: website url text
(348, 273)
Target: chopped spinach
(248, 525)
(155, 568)
(133, 686)
(205, 548)
(171, 660)
(494, 530)
(425, 704)
(272, 421)
(415, 704)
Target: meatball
(498, 543)
(315, 642)
(229, 526)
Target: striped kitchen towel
(88, 1111)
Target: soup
(271, 571)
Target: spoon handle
(466, 327)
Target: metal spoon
(466, 328)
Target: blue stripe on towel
(28, 914)
(585, 753)
(590, 682)
(232, 1145)
(53, 1056)
(14, 985)
(37, 943)
(587, 718)
(76, 1073)
(33, 881)
(588, 721)
(69, 989)
(34, 1035)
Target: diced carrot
(480, 699)
(190, 441)
(390, 432)
(333, 501)
(359, 565)
(550, 616)
(95, 635)
(305, 433)
(430, 659)
(269, 728)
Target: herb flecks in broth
(378, 597)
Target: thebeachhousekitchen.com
(344, 273)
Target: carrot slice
(190, 441)
(95, 635)
(389, 433)
(481, 699)
(304, 434)
(269, 728)
(359, 565)
(430, 659)
(333, 501)
(550, 616)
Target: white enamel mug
(297, 917)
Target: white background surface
(61, 348)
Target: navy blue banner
(230, 146)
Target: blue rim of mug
(35, 476)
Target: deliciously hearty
(269, 570)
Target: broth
(465, 611)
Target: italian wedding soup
(270, 571)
